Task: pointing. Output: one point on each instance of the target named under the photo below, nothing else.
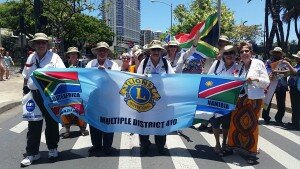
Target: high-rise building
(146, 37)
(157, 35)
(124, 18)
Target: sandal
(219, 151)
(66, 134)
(251, 160)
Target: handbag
(31, 111)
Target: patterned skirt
(243, 131)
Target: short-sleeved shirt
(108, 64)
(293, 78)
(50, 60)
(151, 69)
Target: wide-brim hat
(224, 38)
(39, 37)
(156, 44)
(297, 55)
(173, 43)
(277, 49)
(101, 45)
(73, 50)
(138, 52)
(228, 48)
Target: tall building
(157, 35)
(124, 18)
(146, 37)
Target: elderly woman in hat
(225, 67)
(177, 58)
(41, 58)
(67, 120)
(155, 64)
(131, 64)
(244, 119)
(278, 71)
(2, 70)
(294, 92)
(100, 139)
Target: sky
(157, 16)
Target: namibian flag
(220, 96)
(209, 34)
(58, 83)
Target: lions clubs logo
(139, 94)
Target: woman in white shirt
(243, 131)
(224, 67)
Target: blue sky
(156, 16)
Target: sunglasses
(172, 46)
(244, 51)
(125, 58)
(229, 53)
(40, 42)
(156, 49)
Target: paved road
(279, 148)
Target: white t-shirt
(108, 64)
(50, 60)
(151, 69)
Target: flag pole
(219, 15)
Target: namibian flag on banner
(220, 94)
(209, 35)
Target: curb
(9, 105)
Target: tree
(198, 11)
(246, 33)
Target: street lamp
(170, 5)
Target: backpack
(217, 65)
(163, 59)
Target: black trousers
(35, 129)
(280, 98)
(295, 104)
(160, 141)
(98, 135)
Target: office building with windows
(124, 18)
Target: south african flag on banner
(220, 94)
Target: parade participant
(8, 62)
(224, 67)
(178, 58)
(294, 92)
(125, 57)
(243, 130)
(73, 56)
(2, 70)
(41, 58)
(223, 41)
(155, 64)
(101, 140)
(281, 88)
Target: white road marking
(19, 128)
(131, 158)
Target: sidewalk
(11, 94)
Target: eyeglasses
(172, 46)
(229, 53)
(125, 58)
(156, 49)
(244, 51)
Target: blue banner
(114, 101)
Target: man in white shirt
(155, 64)
(41, 58)
(100, 139)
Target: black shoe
(209, 130)
(94, 149)
(144, 150)
(107, 150)
(267, 119)
(162, 150)
(280, 123)
(202, 127)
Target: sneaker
(84, 132)
(29, 160)
(53, 153)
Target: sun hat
(224, 38)
(135, 48)
(156, 44)
(228, 48)
(297, 55)
(101, 45)
(277, 49)
(73, 49)
(39, 37)
(173, 43)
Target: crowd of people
(159, 58)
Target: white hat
(40, 37)
(277, 49)
(101, 45)
(297, 55)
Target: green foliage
(198, 11)
(246, 33)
